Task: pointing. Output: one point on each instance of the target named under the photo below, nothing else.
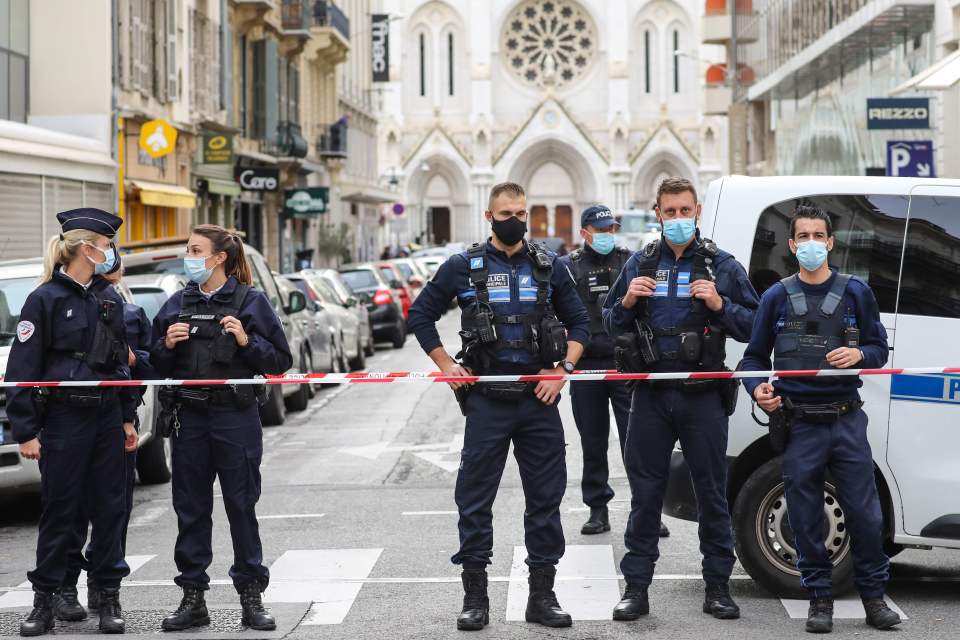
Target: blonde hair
(64, 248)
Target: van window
(931, 264)
(868, 241)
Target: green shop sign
(306, 201)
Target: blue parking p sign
(910, 158)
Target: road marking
(591, 596)
(283, 516)
(22, 595)
(376, 449)
(294, 443)
(149, 516)
(321, 576)
(429, 513)
(843, 608)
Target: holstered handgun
(41, 402)
(778, 425)
(461, 394)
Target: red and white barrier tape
(436, 376)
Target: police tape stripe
(436, 376)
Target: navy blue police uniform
(219, 434)
(492, 423)
(593, 274)
(68, 331)
(664, 411)
(800, 323)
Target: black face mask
(509, 231)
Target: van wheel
(153, 461)
(765, 541)
(274, 412)
(358, 363)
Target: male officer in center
(594, 268)
(819, 318)
(511, 295)
(675, 302)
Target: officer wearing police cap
(593, 269)
(72, 328)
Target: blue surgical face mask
(679, 230)
(602, 243)
(811, 254)
(109, 260)
(196, 269)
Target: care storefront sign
(306, 201)
(258, 178)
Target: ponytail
(63, 248)
(230, 243)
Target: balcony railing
(333, 143)
(291, 142)
(296, 15)
(327, 14)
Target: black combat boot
(40, 620)
(66, 607)
(476, 604)
(111, 615)
(664, 532)
(879, 615)
(634, 603)
(820, 615)
(93, 598)
(542, 605)
(718, 603)
(254, 615)
(192, 612)
(598, 522)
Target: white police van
(902, 236)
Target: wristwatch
(566, 366)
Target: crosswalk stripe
(24, 598)
(591, 597)
(319, 576)
(843, 608)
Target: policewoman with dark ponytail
(71, 328)
(218, 327)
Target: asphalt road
(358, 525)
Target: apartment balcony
(251, 14)
(295, 24)
(718, 22)
(330, 29)
(290, 140)
(718, 91)
(717, 99)
(332, 144)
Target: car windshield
(405, 269)
(637, 223)
(13, 293)
(150, 299)
(360, 279)
(388, 274)
(169, 265)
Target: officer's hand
(131, 358)
(763, 394)
(641, 287)
(177, 332)
(706, 290)
(130, 437)
(232, 325)
(456, 370)
(30, 449)
(844, 357)
(548, 390)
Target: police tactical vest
(813, 325)
(594, 282)
(210, 353)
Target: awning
(165, 195)
(366, 194)
(937, 77)
(222, 187)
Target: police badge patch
(25, 329)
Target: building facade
(580, 101)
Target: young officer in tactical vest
(67, 607)
(218, 327)
(71, 328)
(822, 319)
(593, 269)
(671, 310)
(514, 299)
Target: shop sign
(258, 178)
(898, 113)
(910, 158)
(217, 148)
(306, 200)
(158, 138)
(380, 47)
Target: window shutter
(226, 62)
(159, 44)
(171, 33)
(272, 86)
(136, 42)
(212, 42)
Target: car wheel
(765, 540)
(371, 347)
(298, 400)
(154, 461)
(274, 412)
(399, 335)
(311, 387)
(358, 363)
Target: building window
(450, 63)
(676, 61)
(423, 65)
(14, 61)
(646, 61)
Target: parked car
(430, 263)
(312, 338)
(384, 306)
(435, 252)
(355, 302)
(902, 236)
(395, 279)
(170, 261)
(150, 291)
(17, 279)
(637, 228)
(325, 303)
(414, 274)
